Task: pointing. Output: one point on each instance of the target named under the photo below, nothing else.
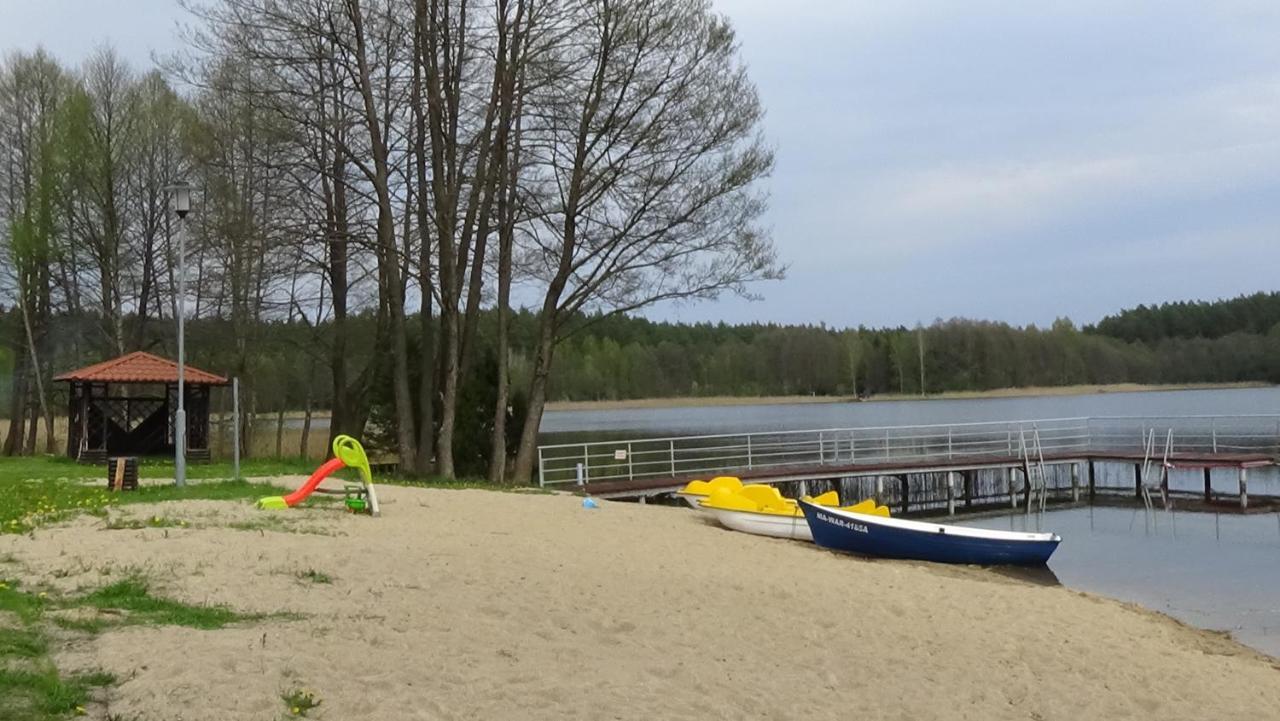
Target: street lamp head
(181, 192)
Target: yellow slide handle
(351, 453)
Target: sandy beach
(486, 605)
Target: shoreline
(1022, 392)
(441, 633)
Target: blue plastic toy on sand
(590, 502)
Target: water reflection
(1217, 571)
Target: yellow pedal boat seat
(706, 488)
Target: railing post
(951, 493)
(948, 443)
(853, 447)
(886, 444)
(673, 458)
(822, 448)
(542, 471)
(630, 464)
(1244, 488)
(586, 460)
(749, 436)
(1215, 435)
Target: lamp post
(181, 192)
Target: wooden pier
(945, 469)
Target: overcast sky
(1010, 161)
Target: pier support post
(969, 482)
(1008, 483)
(1137, 481)
(1244, 488)
(1093, 481)
(906, 493)
(951, 493)
(1075, 482)
(880, 490)
(1208, 484)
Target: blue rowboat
(899, 538)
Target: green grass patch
(22, 643)
(31, 687)
(29, 504)
(133, 596)
(26, 606)
(119, 524)
(40, 693)
(300, 702)
(27, 468)
(313, 576)
(276, 522)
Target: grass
(63, 468)
(314, 576)
(300, 702)
(36, 491)
(31, 686)
(30, 501)
(133, 596)
(39, 692)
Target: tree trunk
(527, 452)
(391, 288)
(17, 408)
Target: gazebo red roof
(140, 367)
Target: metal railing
(681, 456)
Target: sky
(1006, 161)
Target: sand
(482, 605)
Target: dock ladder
(1033, 468)
(1148, 460)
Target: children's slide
(347, 452)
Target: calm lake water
(1216, 571)
(573, 426)
(1213, 571)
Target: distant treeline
(1256, 314)
(635, 358)
(621, 357)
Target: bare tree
(647, 155)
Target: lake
(571, 426)
(1215, 571)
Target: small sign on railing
(620, 454)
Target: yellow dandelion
(296, 710)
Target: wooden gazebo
(139, 420)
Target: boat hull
(897, 538)
(763, 524)
(694, 500)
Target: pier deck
(968, 464)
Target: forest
(428, 219)
(372, 179)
